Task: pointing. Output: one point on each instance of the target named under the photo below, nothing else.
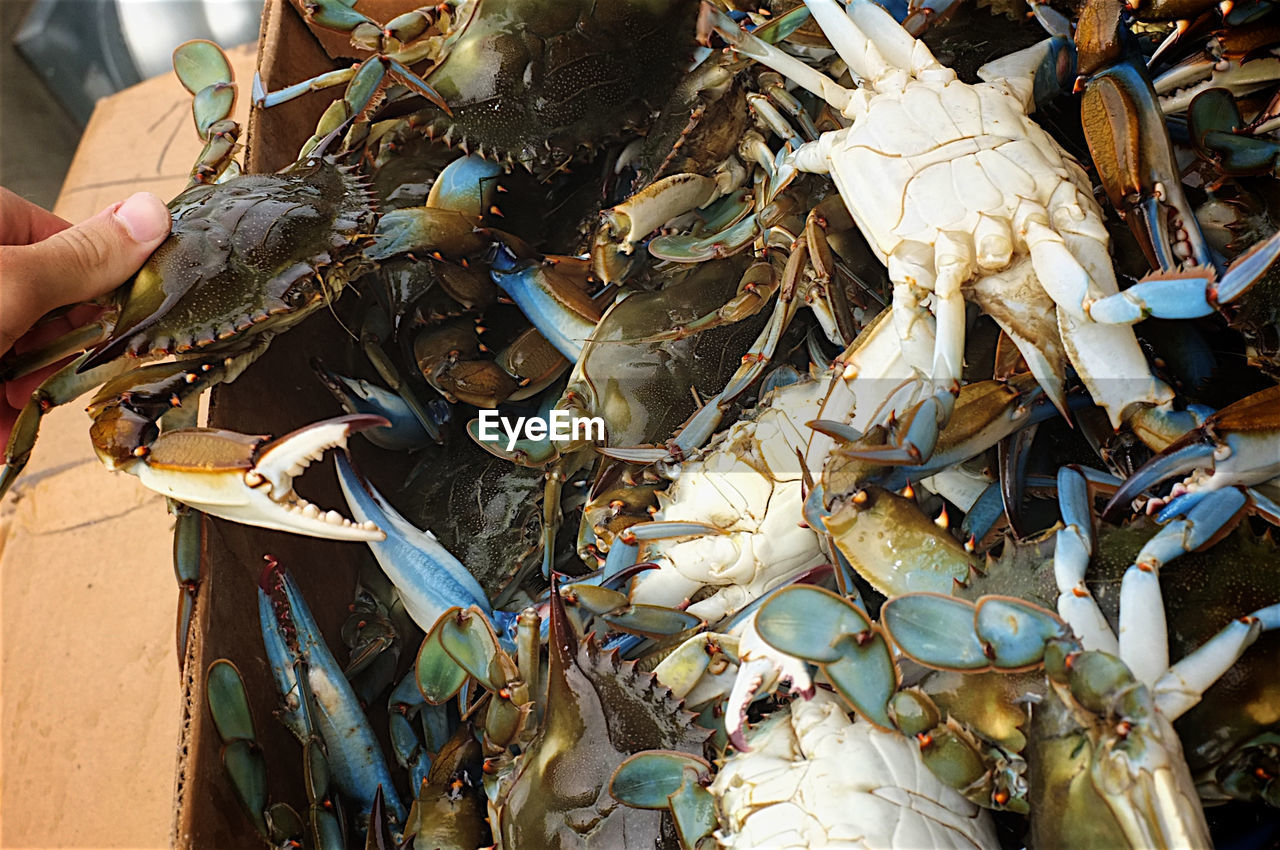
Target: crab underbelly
(960, 186)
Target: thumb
(100, 253)
(83, 261)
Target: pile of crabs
(974, 552)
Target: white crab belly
(815, 779)
(935, 158)
(751, 488)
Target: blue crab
(523, 81)
(247, 259)
(1101, 741)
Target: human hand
(46, 263)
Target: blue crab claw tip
(1192, 452)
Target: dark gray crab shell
(535, 81)
(257, 253)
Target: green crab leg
(241, 757)
(188, 548)
(367, 84)
(83, 337)
(700, 248)
(61, 387)
(264, 99)
(204, 71)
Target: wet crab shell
(532, 81)
(256, 253)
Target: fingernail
(144, 216)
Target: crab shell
(532, 81)
(257, 253)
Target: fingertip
(144, 217)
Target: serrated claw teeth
(260, 492)
(309, 511)
(282, 460)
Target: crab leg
(1073, 547)
(430, 579)
(14, 366)
(986, 413)
(1187, 295)
(1108, 357)
(61, 387)
(1143, 631)
(712, 19)
(297, 651)
(1185, 682)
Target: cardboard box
(89, 717)
(104, 744)
(276, 395)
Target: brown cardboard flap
(274, 396)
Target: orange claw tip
(269, 577)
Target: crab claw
(1129, 142)
(244, 479)
(1194, 451)
(761, 668)
(1238, 444)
